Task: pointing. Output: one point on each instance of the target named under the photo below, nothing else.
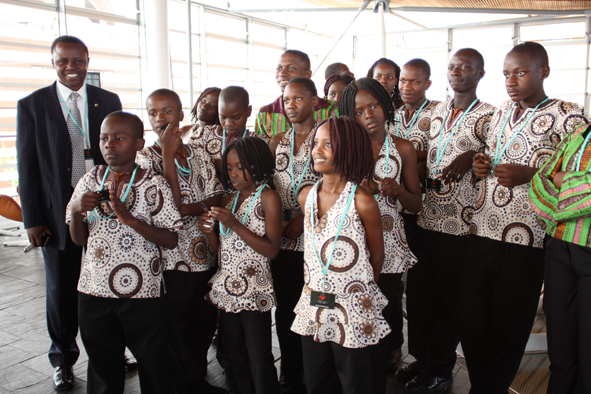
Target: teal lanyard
(499, 155)
(324, 268)
(414, 119)
(439, 151)
(179, 168)
(293, 185)
(387, 162)
(583, 151)
(224, 140)
(225, 233)
(86, 141)
(124, 195)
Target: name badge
(434, 184)
(87, 154)
(322, 300)
(291, 213)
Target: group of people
(315, 214)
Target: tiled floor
(24, 342)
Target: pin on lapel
(96, 105)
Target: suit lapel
(54, 110)
(93, 99)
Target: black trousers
(330, 368)
(431, 296)
(288, 280)
(62, 270)
(191, 323)
(247, 341)
(498, 299)
(108, 325)
(567, 304)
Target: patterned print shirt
(193, 253)
(397, 253)
(504, 213)
(419, 134)
(119, 262)
(243, 280)
(212, 140)
(566, 211)
(283, 178)
(449, 210)
(356, 320)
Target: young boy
(500, 290)
(191, 174)
(124, 214)
(271, 119)
(234, 110)
(457, 133)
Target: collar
(66, 91)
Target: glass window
(225, 25)
(267, 34)
(126, 8)
(224, 52)
(552, 31)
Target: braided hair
(255, 157)
(201, 96)
(347, 99)
(333, 78)
(352, 155)
(395, 97)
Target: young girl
(242, 288)
(339, 314)
(205, 113)
(395, 164)
(334, 85)
(386, 72)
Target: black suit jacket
(44, 155)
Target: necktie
(77, 139)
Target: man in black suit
(57, 141)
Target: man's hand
(510, 175)
(559, 178)
(456, 170)
(35, 234)
(294, 228)
(481, 165)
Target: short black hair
(255, 157)
(335, 69)
(306, 83)
(235, 94)
(352, 155)
(207, 91)
(169, 93)
(347, 79)
(395, 92)
(421, 64)
(478, 55)
(536, 52)
(347, 100)
(302, 55)
(134, 122)
(68, 40)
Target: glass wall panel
(126, 8)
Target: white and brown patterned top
(450, 209)
(212, 140)
(193, 253)
(356, 321)
(419, 134)
(283, 178)
(119, 262)
(243, 280)
(504, 213)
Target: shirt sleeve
(165, 213)
(144, 160)
(259, 125)
(213, 186)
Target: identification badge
(434, 184)
(87, 154)
(291, 213)
(103, 195)
(322, 300)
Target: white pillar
(381, 30)
(158, 61)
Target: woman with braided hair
(386, 72)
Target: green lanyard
(224, 140)
(387, 162)
(439, 151)
(225, 233)
(124, 195)
(293, 185)
(324, 268)
(414, 119)
(499, 155)
(582, 151)
(86, 141)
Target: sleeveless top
(243, 280)
(356, 321)
(212, 140)
(397, 254)
(283, 179)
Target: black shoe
(408, 372)
(394, 361)
(130, 362)
(291, 384)
(210, 389)
(63, 378)
(426, 383)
